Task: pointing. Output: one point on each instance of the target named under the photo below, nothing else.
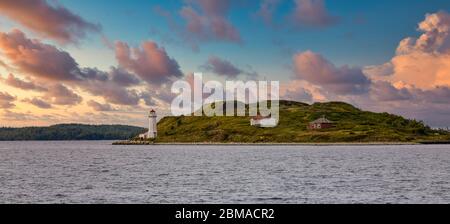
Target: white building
(143, 136)
(152, 129)
(263, 122)
(152, 126)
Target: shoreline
(275, 144)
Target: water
(97, 172)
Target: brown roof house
(321, 123)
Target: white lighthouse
(152, 129)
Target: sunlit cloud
(150, 62)
(51, 21)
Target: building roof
(321, 120)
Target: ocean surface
(97, 172)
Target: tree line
(70, 132)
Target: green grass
(351, 125)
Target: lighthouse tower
(152, 130)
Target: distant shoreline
(127, 142)
(282, 144)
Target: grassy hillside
(352, 125)
(70, 132)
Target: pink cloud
(435, 37)
(423, 62)
(210, 23)
(47, 64)
(50, 21)
(316, 70)
(33, 57)
(150, 62)
(312, 13)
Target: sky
(108, 62)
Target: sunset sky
(108, 62)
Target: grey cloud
(100, 107)
(38, 103)
(61, 95)
(21, 84)
(6, 100)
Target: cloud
(210, 24)
(312, 13)
(100, 107)
(201, 21)
(383, 91)
(33, 57)
(10, 116)
(416, 81)
(421, 69)
(296, 91)
(423, 62)
(113, 86)
(4, 65)
(431, 105)
(6, 100)
(226, 69)
(316, 70)
(24, 85)
(61, 95)
(266, 10)
(38, 103)
(123, 78)
(50, 21)
(150, 62)
(154, 96)
(437, 95)
(435, 37)
(113, 93)
(377, 71)
(222, 67)
(48, 64)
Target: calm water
(97, 172)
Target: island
(299, 123)
(70, 132)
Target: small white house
(144, 135)
(263, 122)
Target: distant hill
(351, 125)
(70, 132)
